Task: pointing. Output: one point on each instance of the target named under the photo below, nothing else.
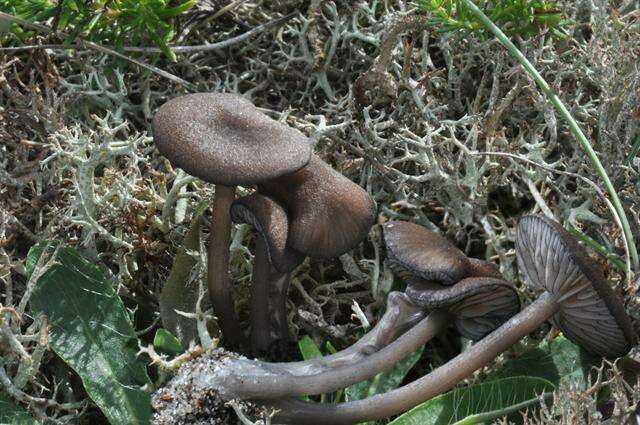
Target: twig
(93, 46)
(23, 397)
(154, 50)
(538, 198)
(43, 265)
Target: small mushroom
(325, 213)
(418, 255)
(224, 139)
(328, 213)
(575, 296)
(478, 304)
(588, 312)
(273, 262)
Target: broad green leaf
(92, 332)
(556, 361)
(179, 291)
(308, 348)
(384, 381)
(478, 403)
(167, 343)
(12, 414)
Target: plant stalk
(401, 314)
(259, 303)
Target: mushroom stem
(441, 379)
(278, 288)
(218, 266)
(246, 379)
(259, 304)
(268, 302)
(400, 315)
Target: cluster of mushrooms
(303, 208)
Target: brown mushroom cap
(271, 221)
(328, 213)
(481, 268)
(224, 139)
(590, 314)
(415, 252)
(479, 304)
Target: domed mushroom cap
(590, 314)
(415, 252)
(479, 304)
(224, 139)
(272, 223)
(328, 213)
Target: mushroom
(273, 262)
(328, 213)
(319, 213)
(225, 140)
(587, 310)
(420, 256)
(478, 305)
(575, 297)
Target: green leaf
(478, 403)
(556, 361)
(167, 343)
(92, 332)
(177, 10)
(12, 414)
(179, 291)
(330, 349)
(164, 47)
(384, 381)
(308, 348)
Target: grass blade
(570, 121)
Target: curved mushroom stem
(218, 267)
(400, 315)
(268, 301)
(441, 379)
(245, 379)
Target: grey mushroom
(225, 140)
(273, 263)
(422, 257)
(328, 213)
(248, 379)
